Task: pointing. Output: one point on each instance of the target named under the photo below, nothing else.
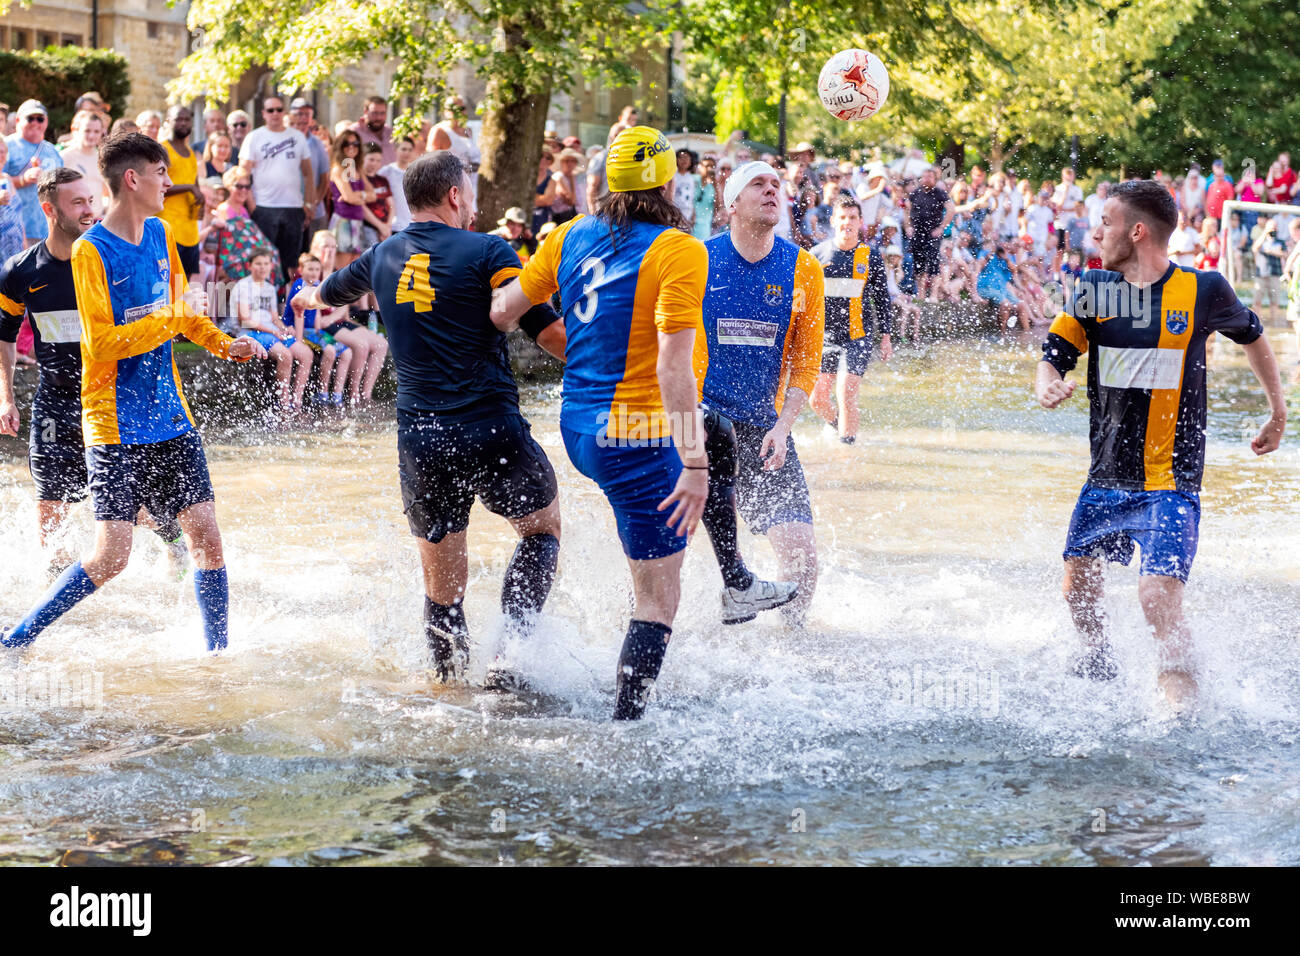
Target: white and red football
(853, 85)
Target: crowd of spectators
(251, 204)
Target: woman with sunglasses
(351, 193)
(237, 236)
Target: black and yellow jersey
(1146, 371)
(851, 276)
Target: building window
(44, 39)
(71, 39)
(22, 40)
(153, 30)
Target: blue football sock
(73, 585)
(213, 592)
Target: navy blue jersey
(1146, 371)
(40, 285)
(434, 285)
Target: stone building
(154, 39)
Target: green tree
(58, 75)
(1226, 86)
(523, 48)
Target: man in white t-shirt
(395, 172)
(1183, 243)
(276, 155)
(1093, 206)
(1067, 196)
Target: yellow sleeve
(1070, 329)
(538, 280)
(502, 276)
(681, 264)
(101, 339)
(199, 329)
(803, 349)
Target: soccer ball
(853, 85)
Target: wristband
(696, 467)
(536, 319)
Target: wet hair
(429, 179)
(123, 151)
(48, 188)
(846, 201)
(1149, 202)
(620, 209)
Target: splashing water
(924, 716)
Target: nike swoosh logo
(36, 288)
(717, 288)
(1106, 318)
(121, 280)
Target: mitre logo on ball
(853, 85)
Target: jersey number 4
(413, 286)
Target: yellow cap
(639, 158)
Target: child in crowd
(256, 307)
(904, 306)
(335, 357)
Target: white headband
(742, 177)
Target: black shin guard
(638, 667)
(529, 576)
(448, 636)
(720, 506)
(169, 529)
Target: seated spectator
(905, 307)
(255, 304)
(335, 357)
(236, 237)
(996, 285)
(369, 348)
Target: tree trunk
(510, 141)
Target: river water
(924, 717)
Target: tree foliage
(521, 47)
(58, 75)
(1225, 86)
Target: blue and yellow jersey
(764, 322)
(434, 286)
(618, 292)
(1146, 371)
(851, 276)
(36, 284)
(130, 301)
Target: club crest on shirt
(860, 268)
(773, 294)
(164, 269)
(1176, 321)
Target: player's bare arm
(1049, 386)
(1264, 364)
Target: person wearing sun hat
(631, 285)
(30, 154)
(510, 227)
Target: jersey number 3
(585, 308)
(413, 286)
